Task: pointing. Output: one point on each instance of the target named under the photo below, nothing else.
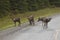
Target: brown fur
(45, 21)
(31, 20)
(16, 20)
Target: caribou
(31, 20)
(45, 21)
(15, 20)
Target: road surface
(36, 32)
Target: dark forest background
(8, 7)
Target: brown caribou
(31, 20)
(45, 22)
(15, 20)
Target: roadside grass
(6, 22)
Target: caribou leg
(15, 23)
(19, 23)
(45, 26)
(30, 22)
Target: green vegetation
(6, 22)
(24, 8)
(8, 7)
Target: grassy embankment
(6, 22)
